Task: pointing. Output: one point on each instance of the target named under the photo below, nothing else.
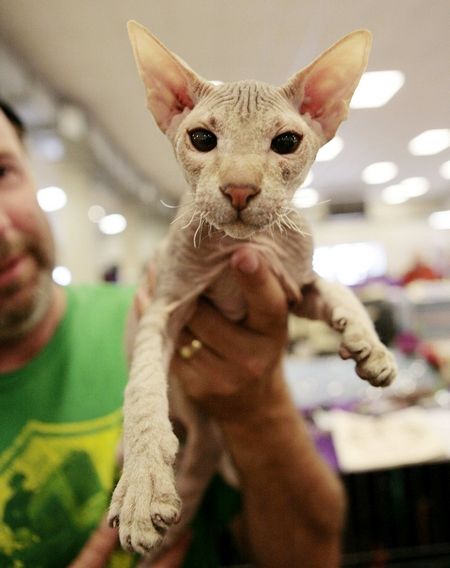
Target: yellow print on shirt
(55, 483)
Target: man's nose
(240, 195)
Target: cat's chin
(239, 230)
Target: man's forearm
(293, 504)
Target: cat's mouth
(240, 229)
(237, 224)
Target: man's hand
(237, 367)
(98, 549)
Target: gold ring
(188, 351)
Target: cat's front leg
(340, 308)
(145, 502)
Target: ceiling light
(51, 198)
(95, 213)
(72, 122)
(415, 186)
(394, 194)
(305, 197)
(62, 275)
(430, 142)
(440, 220)
(376, 88)
(380, 172)
(406, 189)
(444, 170)
(112, 224)
(48, 146)
(330, 150)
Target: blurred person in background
(62, 375)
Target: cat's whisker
(168, 205)
(179, 218)
(185, 208)
(288, 222)
(188, 224)
(198, 230)
(280, 226)
(271, 228)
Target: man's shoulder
(102, 292)
(99, 305)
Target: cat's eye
(286, 143)
(203, 140)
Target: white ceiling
(81, 50)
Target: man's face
(26, 243)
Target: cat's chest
(205, 270)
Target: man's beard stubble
(16, 323)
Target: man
(62, 374)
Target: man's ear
(323, 90)
(170, 84)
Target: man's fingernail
(248, 264)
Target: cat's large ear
(170, 84)
(323, 90)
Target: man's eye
(286, 143)
(203, 140)
(4, 171)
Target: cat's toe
(339, 320)
(144, 506)
(379, 369)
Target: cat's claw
(374, 362)
(144, 505)
(379, 368)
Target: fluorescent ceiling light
(415, 186)
(95, 213)
(305, 197)
(406, 189)
(112, 224)
(380, 172)
(72, 122)
(62, 275)
(394, 194)
(330, 150)
(444, 170)
(350, 263)
(51, 198)
(430, 142)
(376, 88)
(440, 220)
(49, 146)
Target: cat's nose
(239, 195)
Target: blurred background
(378, 197)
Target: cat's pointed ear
(171, 86)
(323, 90)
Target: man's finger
(174, 557)
(98, 549)
(266, 300)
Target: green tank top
(60, 423)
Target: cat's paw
(379, 367)
(144, 504)
(374, 362)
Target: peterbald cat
(244, 148)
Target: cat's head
(245, 147)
